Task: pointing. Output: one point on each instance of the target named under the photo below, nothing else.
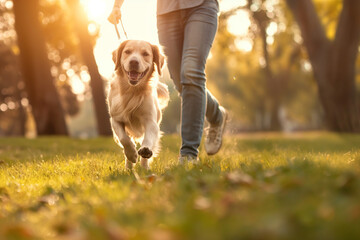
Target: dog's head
(136, 60)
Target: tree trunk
(333, 62)
(42, 93)
(96, 83)
(22, 116)
(273, 89)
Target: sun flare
(95, 9)
(239, 23)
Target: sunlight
(95, 9)
(244, 45)
(77, 85)
(226, 5)
(272, 29)
(239, 23)
(140, 23)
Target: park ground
(262, 186)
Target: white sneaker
(185, 159)
(214, 134)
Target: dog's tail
(163, 94)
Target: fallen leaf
(202, 203)
(238, 178)
(151, 178)
(50, 199)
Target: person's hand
(115, 15)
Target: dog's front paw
(145, 152)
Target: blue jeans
(187, 36)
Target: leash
(117, 30)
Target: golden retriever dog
(136, 99)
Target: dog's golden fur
(136, 98)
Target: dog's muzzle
(135, 76)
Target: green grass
(258, 187)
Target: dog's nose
(134, 64)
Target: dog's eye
(145, 54)
(127, 51)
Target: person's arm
(115, 14)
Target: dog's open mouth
(135, 76)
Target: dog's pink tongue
(134, 75)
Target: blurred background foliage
(265, 76)
(259, 69)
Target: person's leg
(213, 113)
(200, 30)
(171, 38)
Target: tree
(257, 80)
(12, 94)
(333, 61)
(63, 53)
(42, 93)
(273, 87)
(97, 83)
(12, 111)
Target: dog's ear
(116, 55)
(159, 58)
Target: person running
(186, 31)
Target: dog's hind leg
(129, 147)
(129, 165)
